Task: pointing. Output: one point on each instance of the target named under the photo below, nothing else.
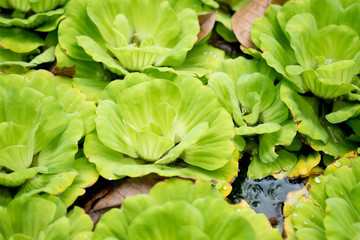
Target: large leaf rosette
(23, 25)
(314, 50)
(37, 217)
(40, 14)
(331, 211)
(179, 209)
(42, 120)
(146, 125)
(247, 91)
(127, 37)
(25, 48)
(318, 54)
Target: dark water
(265, 196)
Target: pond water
(265, 196)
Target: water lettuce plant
(127, 37)
(172, 128)
(23, 25)
(246, 89)
(42, 120)
(25, 48)
(318, 54)
(313, 50)
(179, 209)
(42, 218)
(44, 15)
(331, 211)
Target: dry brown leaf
(244, 18)
(113, 194)
(219, 42)
(65, 71)
(279, 2)
(207, 22)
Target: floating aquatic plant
(126, 37)
(146, 125)
(319, 54)
(246, 89)
(42, 218)
(42, 120)
(179, 209)
(331, 211)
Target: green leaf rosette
(91, 77)
(42, 120)
(127, 37)
(25, 48)
(44, 15)
(20, 25)
(178, 128)
(246, 89)
(331, 211)
(315, 50)
(311, 116)
(37, 217)
(318, 54)
(179, 209)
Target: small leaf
(65, 71)
(207, 22)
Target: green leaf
(343, 114)
(43, 6)
(241, 66)
(99, 54)
(259, 129)
(77, 23)
(52, 184)
(79, 221)
(19, 177)
(87, 175)
(104, 157)
(304, 165)
(33, 21)
(19, 40)
(202, 60)
(326, 88)
(90, 77)
(40, 217)
(339, 220)
(170, 205)
(186, 190)
(112, 224)
(111, 129)
(248, 84)
(258, 169)
(268, 141)
(300, 29)
(216, 138)
(225, 90)
(304, 113)
(189, 139)
(47, 56)
(177, 212)
(350, 15)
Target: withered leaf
(207, 22)
(219, 42)
(112, 196)
(279, 2)
(65, 71)
(244, 18)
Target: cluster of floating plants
(169, 119)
